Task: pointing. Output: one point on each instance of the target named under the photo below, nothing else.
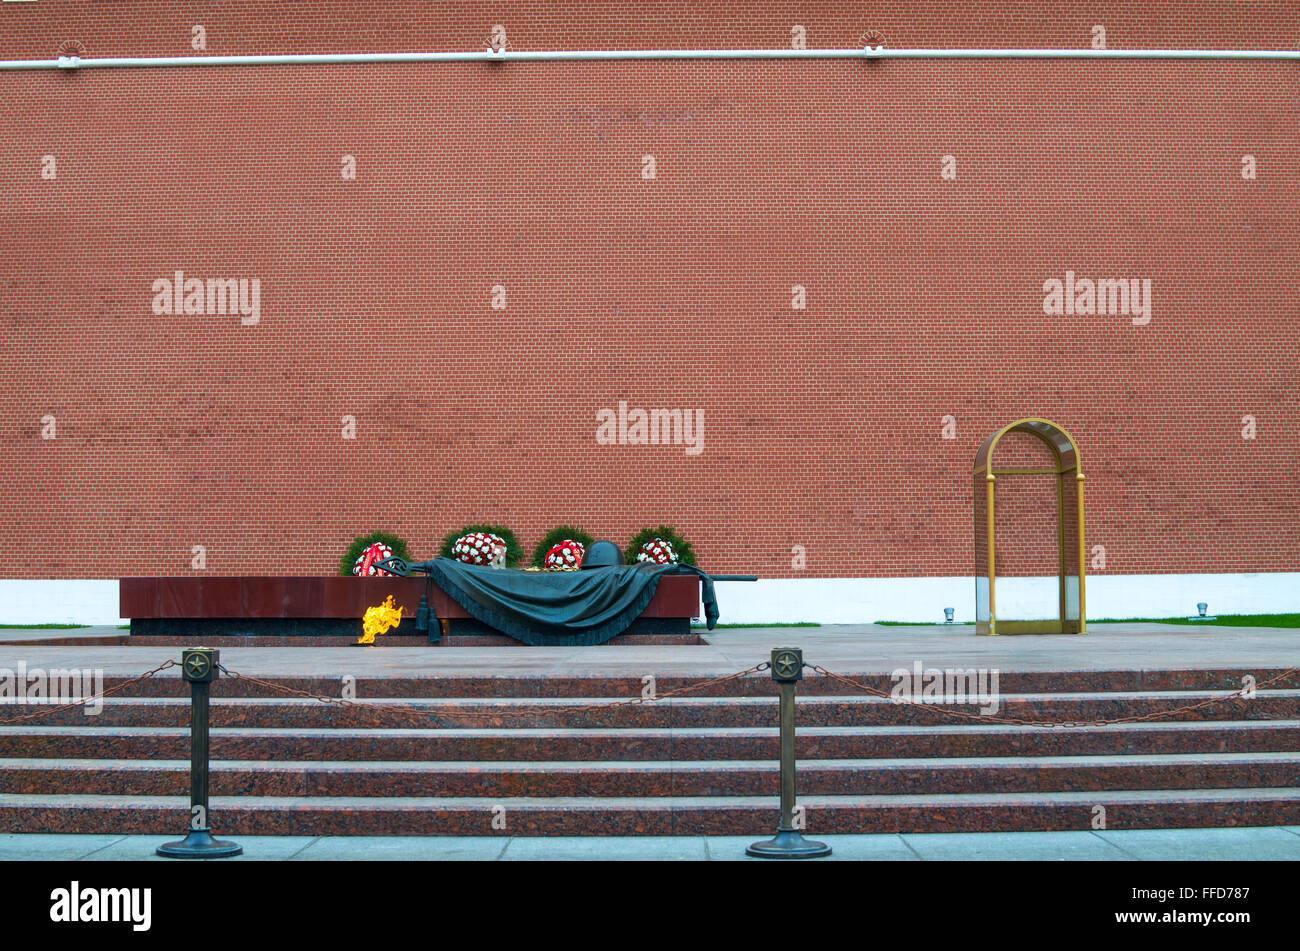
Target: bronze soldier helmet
(602, 555)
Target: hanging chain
(1065, 724)
(46, 711)
(424, 715)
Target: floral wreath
(479, 548)
(476, 550)
(556, 537)
(566, 555)
(662, 546)
(379, 545)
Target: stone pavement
(850, 648)
(1244, 844)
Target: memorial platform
(224, 611)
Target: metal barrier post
(788, 843)
(199, 668)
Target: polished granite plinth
(208, 610)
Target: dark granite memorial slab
(260, 597)
(289, 607)
(200, 628)
(341, 597)
(179, 597)
(138, 597)
(220, 597)
(298, 596)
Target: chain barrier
(200, 665)
(424, 715)
(1064, 724)
(46, 711)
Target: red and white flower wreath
(364, 566)
(566, 554)
(479, 548)
(658, 550)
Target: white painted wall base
(865, 600)
(822, 600)
(59, 601)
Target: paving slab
(1013, 846)
(1223, 845)
(844, 848)
(407, 848)
(99, 634)
(1256, 844)
(849, 648)
(16, 847)
(141, 848)
(606, 849)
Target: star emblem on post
(787, 664)
(198, 664)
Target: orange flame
(379, 619)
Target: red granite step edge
(649, 744)
(653, 778)
(826, 815)
(169, 683)
(679, 712)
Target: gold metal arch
(1068, 475)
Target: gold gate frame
(1070, 558)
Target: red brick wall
(822, 426)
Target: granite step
(552, 779)
(167, 816)
(169, 683)
(697, 743)
(595, 712)
(553, 758)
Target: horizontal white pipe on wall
(534, 56)
(819, 600)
